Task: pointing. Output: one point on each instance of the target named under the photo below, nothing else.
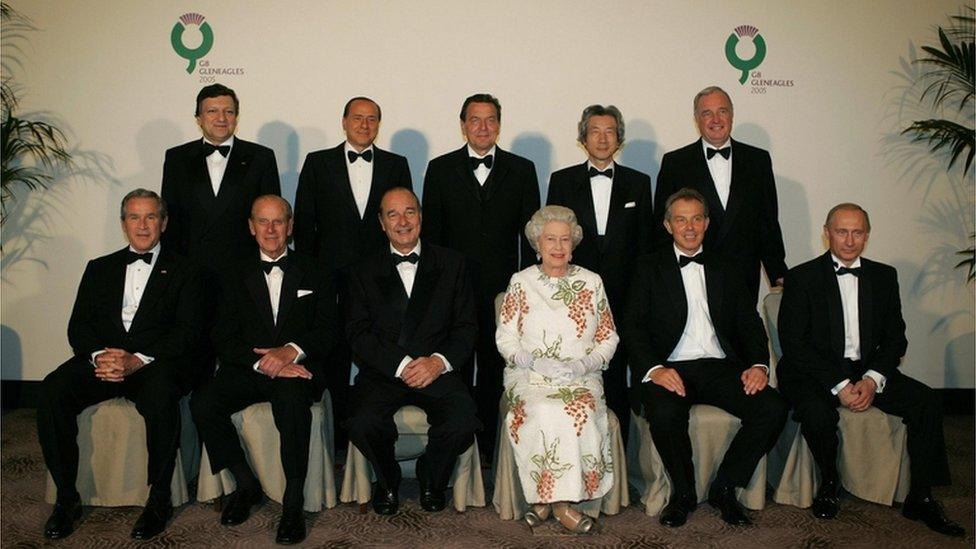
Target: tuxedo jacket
(384, 325)
(811, 323)
(485, 224)
(166, 326)
(628, 231)
(327, 221)
(657, 310)
(307, 314)
(748, 229)
(212, 230)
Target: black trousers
(920, 408)
(491, 367)
(450, 412)
(236, 388)
(155, 389)
(718, 383)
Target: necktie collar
(266, 266)
(209, 149)
(366, 155)
(724, 151)
(593, 172)
(131, 257)
(412, 258)
(841, 271)
(698, 258)
(487, 161)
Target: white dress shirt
(274, 280)
(482, 172)
(408, 273)
(721, 170)
(601, 187)
(360, 176)
(852, 336)
(136, 277)
(217, 164)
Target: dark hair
(379, 111)
(398, 189)
(216, 90)
(481, 98)
(852, 207)
(684, 193)
(143, 193)
(600, 110)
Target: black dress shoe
(62, 520)
(675, 513)
(385, 501)
(931, 513)
(291, 529)
(432, 499)
(238, 506)
(152, 521)
(723, 499)
(826, 503)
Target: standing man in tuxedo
(410, 322)
(695, 338)
(276, 323)
(737, 181)
(338, 191)
(613, 205)
(132, 327)
(477, 201)
(843, 337)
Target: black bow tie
(412, 257)
(595, 172)
(132, 257)
(856, 271)
(366, 155)
(684, 260)
(725, 152)
(266, 266)
(487, 161)
(209, 149)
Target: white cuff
(145, 359)
(879, 379)
(301, 354)
(403, 364)
(93, 355)
(763, 366)
(256, 369)
(447, 363)
(647, 376)
(839, 387)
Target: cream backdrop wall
(107, 71)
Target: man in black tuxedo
(276, 323)
(132, 326)
(477, 201)
(410, 321)
(338, 191)
(843, 337)
(695, 338)
(613, 205)
(737, 181)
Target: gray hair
(851, 207)
(600, 110)
(276, 198)
(684, 193)
(143, 193)
(708, 91)
(547, 214)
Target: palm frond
(945, 135)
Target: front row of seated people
(691, 334)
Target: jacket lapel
(701, 179)
(237, 165)
(257, 286)
(496, 176)
(737, 186)
(618, 197)
(865, 310)
(713, 290)
(202, 187)
(117, 284)
(671, 275)
(388, 280)
(585, 212)
(835, 307)
(424, 284)
(155, 288)
(466, 174)
(344, 187)
(289, 292)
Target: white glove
(523, 360)
(555, 370)
(589, 363)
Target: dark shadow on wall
(640, 150)
(283, 140)
(414, 146)
(537, 148)
(11, 354)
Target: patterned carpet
(860, 524)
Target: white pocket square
(630, 205)
(303, 293)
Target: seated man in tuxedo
(843, 337)
(276, 322)
(410, 321)
(134, 320)
(695, 337)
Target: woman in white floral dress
(557, 335)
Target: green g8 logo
(745, 65)
(176, 38)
